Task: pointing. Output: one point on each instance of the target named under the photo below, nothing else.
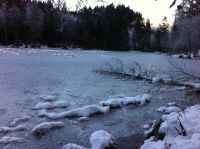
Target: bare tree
(188, 38)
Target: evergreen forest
(35, 23)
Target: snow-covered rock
(101, 139)
(157, 80)
(73, 146)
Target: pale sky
(154, 10)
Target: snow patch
(43, 128)
(7, 140)
(171, 103)
(169, 109)
(61, 104)
(11, 129)
(81, 112)
(83, 119)
(73, 146)
(141, 99)
(44, 105)
(47, 97)
(19, 120)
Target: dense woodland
(34, 23)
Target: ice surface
(32, 76)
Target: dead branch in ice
(179, 72)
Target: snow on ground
(175, 137)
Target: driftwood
(155, 132)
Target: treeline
(109, 28)
(49, 23)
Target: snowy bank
(181, 129)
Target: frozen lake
(25, 75)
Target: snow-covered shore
(181, 129)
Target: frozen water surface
(29, 77)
